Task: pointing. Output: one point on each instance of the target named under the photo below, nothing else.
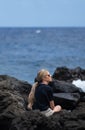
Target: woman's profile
(41, 94)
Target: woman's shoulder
(44, 85)
(47, 87)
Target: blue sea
(24, 51)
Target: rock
(12, 84)
(65, 78)
(71, 120)
(13, 98)
(34, 120)
(66, 74)
(62, 86)
(15, 116)
(62, 73)
(66, 94)
(64, 120)
(67, 100)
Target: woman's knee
(57, 108)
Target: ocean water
(24, 51)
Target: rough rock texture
(64, 120)
(62, 86)
(66, 94)
(67, 100)
(66, 74)
(34, 121)
(15, 116)
(13, 99)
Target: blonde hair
(39, 79)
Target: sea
(26, 50)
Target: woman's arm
(55, 108)
(52, 105)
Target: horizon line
(42, 26)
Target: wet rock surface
(15, 116)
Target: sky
(42, 13)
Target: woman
(41, 95)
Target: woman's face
(47, 77)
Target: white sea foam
(79, 83)
(38, 31)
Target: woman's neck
(44, 82)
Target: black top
(43, 95)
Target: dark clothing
(43, 95)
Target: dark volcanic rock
(64, 120)
(74, 120)
(67, 100)
(62, 73)
(12, 84)
(13, 97)
(62, 86)
(15, 116)
(65, 74)
(34, 121)
(66, 94)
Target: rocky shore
(14, 114)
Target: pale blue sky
(30, 13)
